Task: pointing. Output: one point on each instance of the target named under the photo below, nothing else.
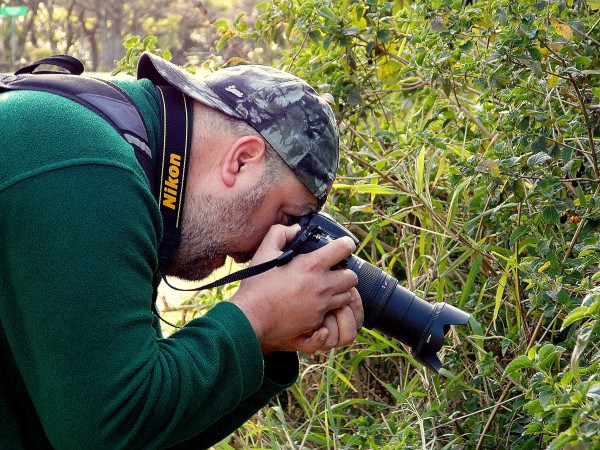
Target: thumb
(274, 241)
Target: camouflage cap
(285, 110)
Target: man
(83, 362)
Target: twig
(578, 232)
(479, 411)
(587, 125)
(488, 424)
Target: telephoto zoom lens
(397, 312)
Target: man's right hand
(303, 306)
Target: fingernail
(323, 336)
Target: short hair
(215, 123)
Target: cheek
(255, 231)
(257, 235)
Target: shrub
(470, 172)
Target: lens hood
(442, 316)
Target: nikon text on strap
(171, 176)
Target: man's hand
(303, 306)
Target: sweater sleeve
(281, 370)
(77, 258)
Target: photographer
(83, 363)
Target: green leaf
(581, 197)
(499, 295)
(518, 187)
(550, 215)
(149, 42)
(420, 56)
(367, 189)
(455, 202)
(517, 364)
(545, 395)
(468, 287)
(315, 37)
(352, 31)
(535, 53)
(131, 42)
(354, 98)
(438, 26)
(447, 86)
(241, 25)
(221, 23)
(466, 46)
(538, 159)
(534, 428)
(384, 35)
(563, 439)
(327, 12)
(534, 407)
(539, 144)
(519, 231)
(577, 314)
(582, 61)
(547, 356)
(222, 41)
(420, 170)
(388, 72)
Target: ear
(245, 157)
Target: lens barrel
(397, 312)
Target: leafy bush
(471, 173)
(470, 170)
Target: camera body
(388, 307)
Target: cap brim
(163, 72)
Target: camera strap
(248, 272)
(176, 110)
(292, 249)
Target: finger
(357, 308)
(310, 343)
(279, 235)
(330, 322)
(324, 338)
(274, 242)
(347, 326)
(334, 252)
(343, 281)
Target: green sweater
(82, 362)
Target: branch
(587, 125)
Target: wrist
(249, 311)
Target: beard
(210, 230)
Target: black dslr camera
(388, 307)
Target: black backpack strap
(107, 100)
(70, 64)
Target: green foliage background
(471, 173)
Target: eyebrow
(304, 209)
